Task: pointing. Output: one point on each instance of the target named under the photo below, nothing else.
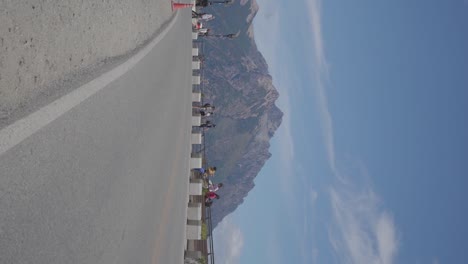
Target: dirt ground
(47, 45)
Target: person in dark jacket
(207, 124)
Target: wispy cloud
(315, 19)
(229, 241)
(308, 247)
(321, 74)
(362, 232)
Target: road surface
(105, 181)
(46, 44)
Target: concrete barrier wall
(194, 229)
(194, 211)
(195, 163)
(196, 120)
(196, 79)
(196, 97)
(194, 208)
(195, 187)
(196, 65)
(195, 255)
(196, 138)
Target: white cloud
(307, 247)
(229, 241)
(362, 232)
(321, 74)
(314, 10)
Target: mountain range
(235, 79)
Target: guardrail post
(195, 161)
(196, 65)
(196, 120)
(194, 229)
(196, 138)
(196, 79)
(195, 187)
(196, 97)
(194, 211)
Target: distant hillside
(236, 80)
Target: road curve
(106, 182)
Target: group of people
(205, 3)
(202, 31)
(210, 188)
(211, 194)
(202, 16)
(206, 110)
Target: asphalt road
(106, 181)
(45, 44)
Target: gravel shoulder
(49, 47)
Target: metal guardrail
(208, 221)
(209, 236)
(209, 225)
(201, 48)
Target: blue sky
(370, 163)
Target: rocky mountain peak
(236, 80)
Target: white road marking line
(15, 133)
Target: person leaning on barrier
(207, 124)
(211, 195)
(209, 172)
(205, 113)
(214, 188)
(205, 3)
(203, 31)
(206, 107)
(202, 3)
(202, 16)
(209, 198)
(207, 17)
(197, 26)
